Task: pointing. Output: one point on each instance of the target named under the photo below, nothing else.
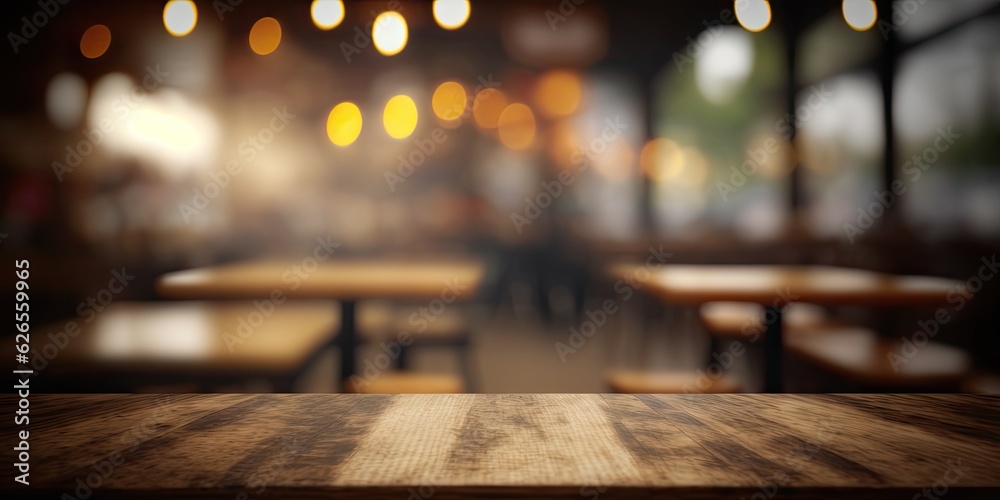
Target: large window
(720, 157)
(947, 111)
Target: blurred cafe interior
(544, 196)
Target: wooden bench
(209, 344)
(858, 354)
(981, 383)
(734, 319)
(391, 382)
(663, 382)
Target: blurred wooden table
(343, 280)
(206, 343)
(510, 445)
(774, 287)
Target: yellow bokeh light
(487, 107)
(389, 33)
(753, 15)
(516, 126)
(451, 14)
(860, 15)
(265, 36)
(400, 117)
(95, 41)
(449, 101)
(661, 159)
(695, 170)
(180, 17)
(343, 126)
(558, 93)
(327, 14)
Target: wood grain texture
(825, 285)
(333, 279)
(514, 445)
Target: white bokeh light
(754, 15)
(389, 33)
(180, 17)
(451, 14)
(327, 14)
(724, 64)
(860, 14)
(65, 100)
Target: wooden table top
(197, 338)
(506, 445)
(340, 279)
(827, 285)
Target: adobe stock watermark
(562, 12)
(758, 157)
(952, 474)
(248, 150)
(423, 149)
(420, 320)
(292, 278)
(624, 289)
(957, 299)
(122, 106)
(30, 25)
(223, 7)
(582, 159)
(913, 168)
(422, 492)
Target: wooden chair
(981, 383)
(731, 319)
(206, 345)
(383, 323)
(662, 382)
(406, 383)
(859, 355)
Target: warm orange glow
(695, 170)
(558, 93)
(562, 144)
(449, 101)
(488, 106)
(265, 36)
(95, 41)
(516, 125)
(616, 162)
(661, 159)
(666, 161)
